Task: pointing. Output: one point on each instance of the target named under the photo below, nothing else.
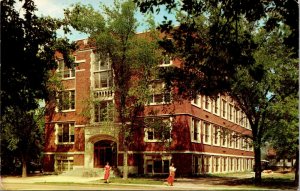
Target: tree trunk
(257, 166)
(297, 169)
(125, 163)
(24, 167)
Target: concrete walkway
(186, 184)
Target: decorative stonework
(93, 134)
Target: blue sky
(55, 8)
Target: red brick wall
(78, 159)
(48, 163)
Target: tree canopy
(246, 49)
(29, 43)
(113, 32)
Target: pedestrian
(171, 177)
(107, 169)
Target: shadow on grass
(267, 182)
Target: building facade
(205, 136)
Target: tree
(282, 132)
(22, 137)
(258, 94)
(30, 43)
(225, 47)
(132, 59)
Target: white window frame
(216, 105)
(204, 134)
(62, 70)
(231, 112)
(107, 70)
(207, 160)
(163, 94)
(223, 108)
(198, 128)
(237, 141)
(216, 134)
(206, 103)
(223, 137)
(61, 100)
(108, 109)
(71, 132)
(63, 157)
(197, 101)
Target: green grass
(241, 180)
(151, 181)
(273, 180)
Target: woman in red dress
(107, 169)
(171, 177)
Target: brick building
(206, 134)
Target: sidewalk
(49, 178)
(180, 183)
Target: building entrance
(105, 151)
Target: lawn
(273, 180)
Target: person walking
(107, 169)
(171, 177)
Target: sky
(55, 9)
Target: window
(242, 119)
(157, 164)
(65, 133)
(103, 73)
(223, 137)
(159, 95)
(206, 103)
(225, 164)
(197, 101)
(237, 115)
(64, 71)
(231, 140)
(217, 164)
(157, 129)
(237, 140)
(103, 111)
(231, 164)
(66, 100)
(230, 112)
(196, 130)
(216, 135)
(216, 105)
(242, 144)
(198, 164)
(247, 124)
(64, 163)
(223, 108)
(206, 163)
(206, 132)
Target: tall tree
(113, 32)
(30, 43)
(21, 138)
(221, 51)
(282, 132)
(272, 78)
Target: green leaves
(30, 46)
(84, 18)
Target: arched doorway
(105, 151)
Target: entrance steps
(87, 172)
